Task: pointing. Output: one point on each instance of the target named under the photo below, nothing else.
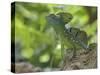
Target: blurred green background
(36, 41)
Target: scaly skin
(70, 37)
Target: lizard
(70, 37)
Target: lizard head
(52, 19)
(60, 18)
(65, 16)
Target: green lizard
(70, 37)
